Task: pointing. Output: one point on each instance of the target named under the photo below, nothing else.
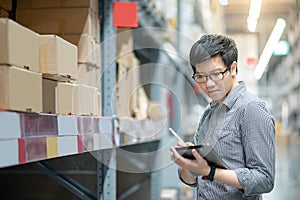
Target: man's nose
(209, 82)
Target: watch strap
(211, 174)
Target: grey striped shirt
(242, 132)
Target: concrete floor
(287, 181)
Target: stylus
(176, 135)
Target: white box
(57, 56)
(20, 89)
(19, 45)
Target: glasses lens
(216, 76)
(198, 78)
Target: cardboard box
(88, 48)
(66, 98)
(88, 100)
(49, 95)
(89, 74)
(93, 4)
(61, 21)
(19, 45)
(3, 13)
(124, 41)
(98, 104)
(6, 4)
(57, 56)
(20, 89)
(59, 97)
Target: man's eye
(200, 76)
(216, 74)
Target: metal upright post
(107, 158)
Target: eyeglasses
(216, 76)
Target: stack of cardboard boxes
(128, 75)
(20, 80)
(64, 44)
(77, 22)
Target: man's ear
(233, 68)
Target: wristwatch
(211, 174)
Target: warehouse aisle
(287, 171)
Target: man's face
(215, 89)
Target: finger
(176, 157)
(181, 144)
(174, 154)
(189, 144)
(197, 155)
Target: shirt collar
(232, 96)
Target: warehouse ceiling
(236, 13)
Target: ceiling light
(251, 23)
(255, 7)
(254, 12)
(268, 50)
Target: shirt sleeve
(258, 138)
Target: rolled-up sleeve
(258, 138)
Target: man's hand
(199, 165)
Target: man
(236, 123)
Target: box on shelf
(124, 42)
(61, 21)
(93, 4)
(59, 97)
(67, 98)
(49, 95)
(88, 74)
(19, 45)
(20, 89)
(6, 4)
(88, 48)
(88, 100)
(3, 13)
(128, 84)
(57, 56)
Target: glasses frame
(209, 76)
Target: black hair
(211, 45)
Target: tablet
(206, 151)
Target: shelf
(29, 137)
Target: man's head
(212, 45)
(214, 62)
